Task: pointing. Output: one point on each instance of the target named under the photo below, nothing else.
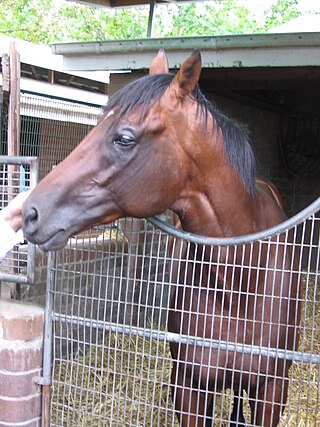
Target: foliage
(47, 21)
(281, 12)
(225, 17)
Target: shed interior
(281, 107)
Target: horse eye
(124, 140)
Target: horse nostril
(31, 218)
(33, 215)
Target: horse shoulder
(269, 210)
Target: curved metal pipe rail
(306, 213)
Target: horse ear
(159, 65)
(188, 76)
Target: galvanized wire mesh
(17, 174)
(51, 128)
(111, 293)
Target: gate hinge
(42, 380)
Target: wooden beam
(70, 80)
(51, 76)
(122, 3)
(104, 3)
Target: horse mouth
(55, 242)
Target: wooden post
(13, 68)
(11, 92)
(5, 74)
(51, 76)
(5, 94)
(14, 102)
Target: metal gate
(17, 174)
(108, 297)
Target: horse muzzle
(37, 231)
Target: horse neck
(221, 208)
(214, 201)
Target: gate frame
(33, 162)
(47, 380)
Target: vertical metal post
(151, 18)
(34, 178)
(46, 380)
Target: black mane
(148, 89)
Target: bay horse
(162, 145)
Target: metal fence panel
(110, 291)
(51, 128)
(17, 174)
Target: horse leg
(237, 419)
(210, 415)
(268, 404)
(189, 403)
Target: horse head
(135, 162)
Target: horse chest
(210, 314)
(212, 310)
(225, 315)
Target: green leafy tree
(47, 21)
(225, 17)
(280, 12)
